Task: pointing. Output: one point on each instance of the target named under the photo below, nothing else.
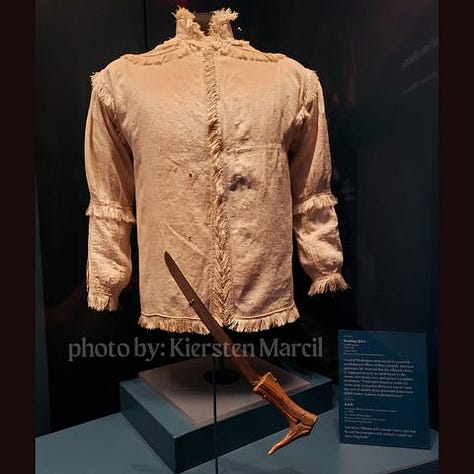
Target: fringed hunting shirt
(218, 152)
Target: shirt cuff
(102, 301)
(332, 283)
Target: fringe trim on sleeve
(311, 90)
(106, 211)
(317, 201)
(101, 302)
(172, 324)
(332, 283)
(262, 323)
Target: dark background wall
(378, 65)
(74, 39)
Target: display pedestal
(171, 408)
(184, 385)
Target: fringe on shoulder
(100, 88)
(179, 48)
(106, 98)
(312, 89)
(241, 49)
(170, 50)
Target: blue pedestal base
(183, 445)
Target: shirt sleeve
(315, 222)
(109, 172)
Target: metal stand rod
(214, 400)
(222, 375)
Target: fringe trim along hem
(101, 302)
(318, 201)
(105, 211)
(172, 324)
(279, 318)
(331, 283)
(164, 323)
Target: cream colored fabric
(218, 152)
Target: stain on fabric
(238, 182)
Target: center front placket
(221, 272)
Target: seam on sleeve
(316, 201)
(110, 211)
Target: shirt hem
(195, 325)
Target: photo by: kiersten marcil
(184, 347)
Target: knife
(300, 421)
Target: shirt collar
(219, 25)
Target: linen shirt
(218, 152)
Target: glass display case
(378, 68)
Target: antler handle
(300, 421)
